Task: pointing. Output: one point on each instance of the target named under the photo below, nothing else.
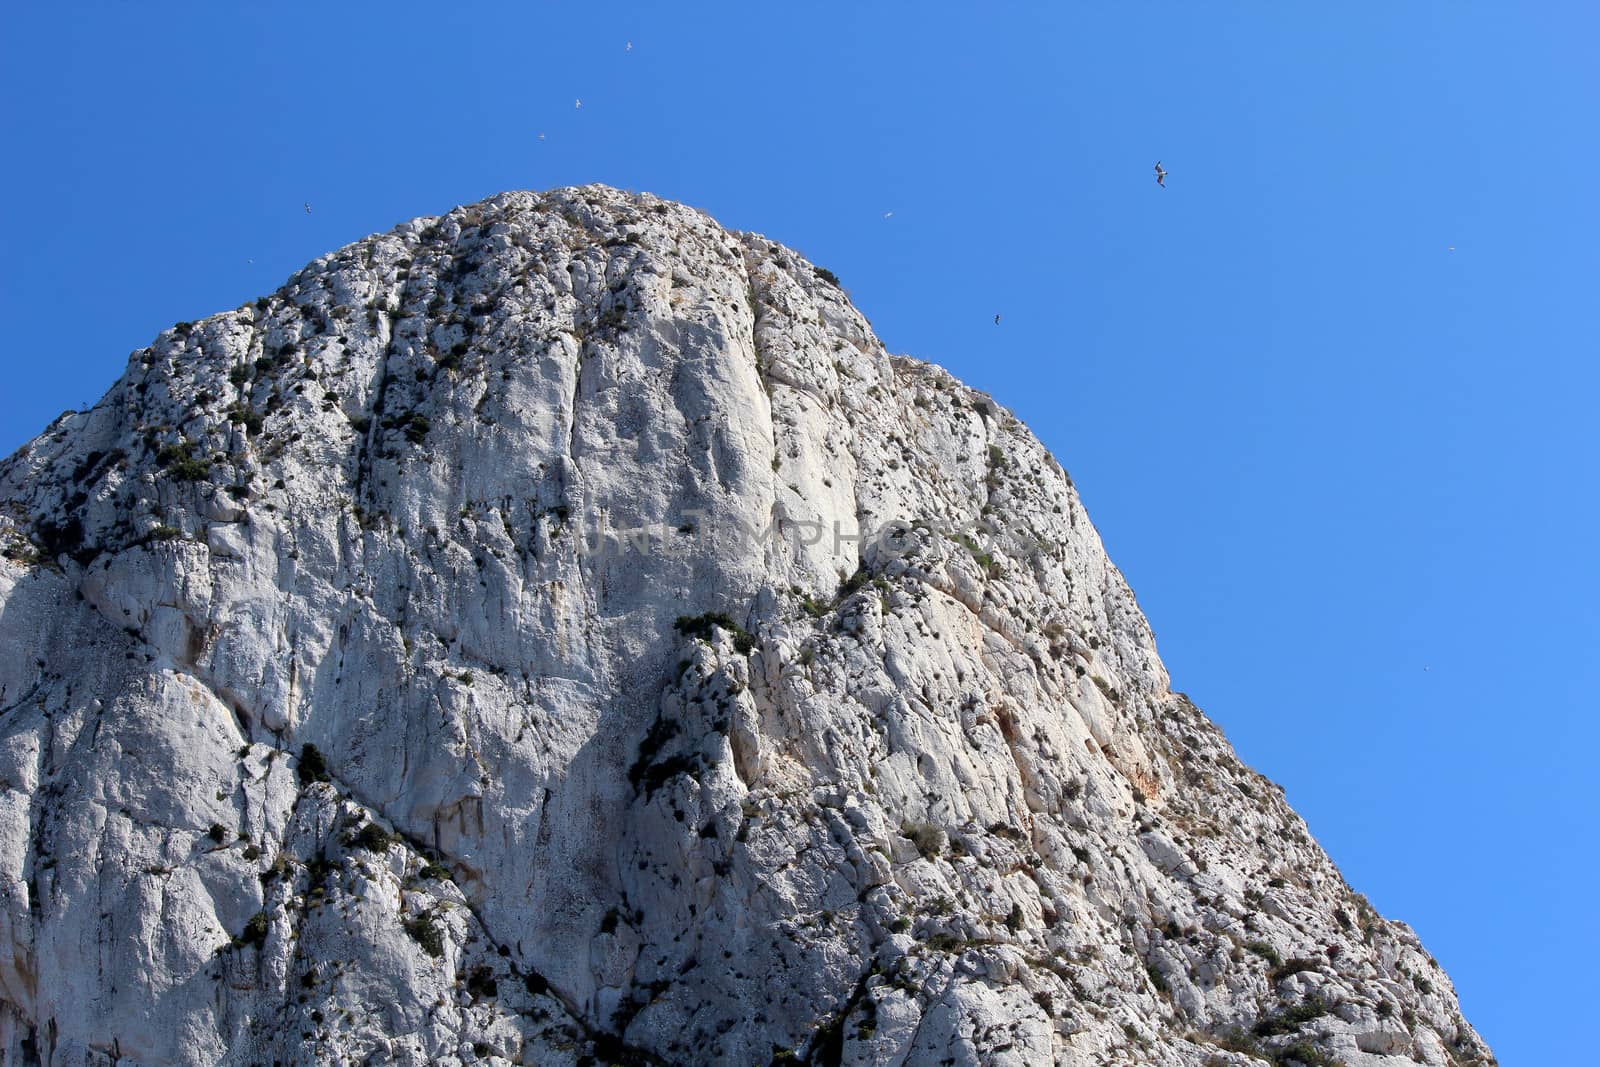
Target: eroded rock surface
(558, 632)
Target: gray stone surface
(430, 512)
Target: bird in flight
(1161, 175)
(308, 207)
(997, 320)
(628, 47)
(541, 137)
(888, 214)
(577, 104)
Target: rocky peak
(558, 632)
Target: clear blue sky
(1328, 451)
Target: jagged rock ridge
(558, 632)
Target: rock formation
(558, 632)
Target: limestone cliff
(558, 632)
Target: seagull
(1161, 175)
(997, 320)
(308, 207)
(541, 137)
(628, 47)
(888, 214)
(577, 104)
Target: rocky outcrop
(558, 632)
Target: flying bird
(888, 214)
(541, 136)
(577, 104)
(997, 320)
(628, 47)
(1161, 175)
(308, 207)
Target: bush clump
(179, 460)
(1289, 967)
(1107, 690)
(481, 982)
(371, 837)
(647, 774)
(426, 933)
(860, 578)
(1290, 1019)
(414, 424)
(248, 417)
(255, 931)
(986, 560)
(65, 538)
(1266, 952)
(928, 838)
(313, 768)
(701, 626)
(1305, 1054)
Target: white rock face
(347, 715)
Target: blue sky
(1329, 396)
